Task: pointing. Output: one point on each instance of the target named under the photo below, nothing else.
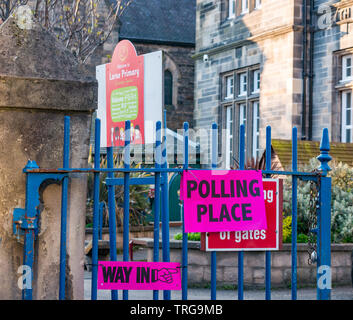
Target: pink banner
(223, 200)
(118, 275)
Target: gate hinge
(20, 223)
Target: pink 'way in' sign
(136, 275)
(223, 200)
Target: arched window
(168, 88)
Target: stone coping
(120, 229)
(177, 244)
(150, 227)
(173, 244)
(60, 95)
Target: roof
(340, 152)
(167, 21)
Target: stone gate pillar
(40, 83)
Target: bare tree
(81, 25)
(8, 6)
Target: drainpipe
(311, 71)
(304, 68)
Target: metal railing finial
(324, 156)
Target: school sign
(130, 88)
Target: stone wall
(40, 83)
(199, 263)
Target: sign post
(125, 95)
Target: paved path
(340, 293)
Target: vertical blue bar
(64, 195)
(95, 210)
(294, 212)
(268, 253)
(241, 253)
(214, 253)
(324, 241)
(100, 229)
(126, 199)
(184, 280)
(28, 255)
(324, 223)
(165, 206)
(112, 216)
(157, 200)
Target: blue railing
(35, 176)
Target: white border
(256, 249)
(153, 96)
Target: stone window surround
(346, 123)
(253, 5)
(229, 87)
(345, 67)
(171, 66)
(248, 100)
(244, 6)
(231, 9)
(243, 83)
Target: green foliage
(287, 232)
(342, 202)
(287, 229)
(191, 236)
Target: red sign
(125, 95)
(251, 240)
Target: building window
(256, 81)
(243, 84)
(347, 67)
(257, 4)
(242, 120)
(168, 88)
(229, 87)
(231, 9)
(256, 130)
(230, 132)
(241, 106)
(347, 116)
(244, 6)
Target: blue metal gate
(26, 220)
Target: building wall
(270, 37)
(331, 41)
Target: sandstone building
(267, 62)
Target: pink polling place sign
(135, 275)
(223, 200)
